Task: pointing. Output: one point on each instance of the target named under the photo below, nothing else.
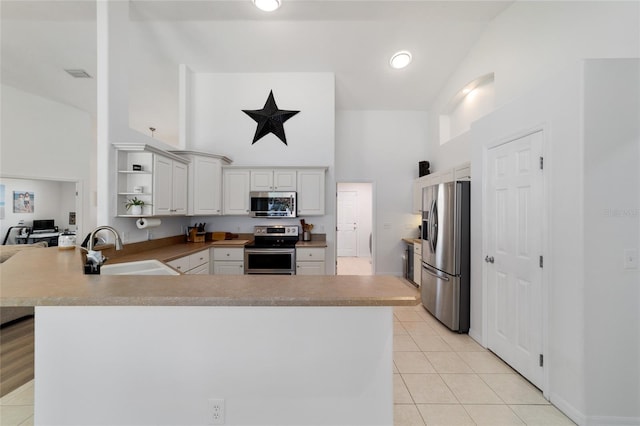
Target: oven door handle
(270, 250)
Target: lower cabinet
(417, 262)
(228, 260)
(194, 264)
(310, 261)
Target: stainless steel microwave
(274, 204)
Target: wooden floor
(16, 354)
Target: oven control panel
(276, 230)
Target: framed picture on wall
(23, 202)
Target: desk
(50, 237)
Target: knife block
(195, 236)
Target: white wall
(554, 108)
(611, 225)
(218, 125)
(384, 147)
(160, 365)
(52, 200)
(46, 140)
(589, 118)
(525, 45)
(114, 74)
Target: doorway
(354, 228)
(56, 200)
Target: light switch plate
(630, 259)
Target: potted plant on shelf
(135, 205)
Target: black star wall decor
(270, 119)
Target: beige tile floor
(354, 266)
(16, 408)
(440, 378)
(447, 379)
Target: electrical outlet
(125, 237)
(216, 411)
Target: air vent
(78, 73)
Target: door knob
(488, 259)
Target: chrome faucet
(95, 258)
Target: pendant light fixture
(267, 5)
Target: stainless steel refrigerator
(445, 253)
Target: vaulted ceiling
(353, 39)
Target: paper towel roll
(144, 223)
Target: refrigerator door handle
(434, 225)
(434, 273)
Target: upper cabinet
(170, 182)
(156, 177)
(236, 184)
(460, 172)
(311, 192)
(308, 182)
(205, 182)
(273, 180)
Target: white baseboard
(612, 421)
(567, 409)
(476, 336)
(583, 420)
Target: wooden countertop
(311, 244)
(412, 240)
(54, 277)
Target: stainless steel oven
(277, 261)
(273, 251)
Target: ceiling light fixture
(400, 59)
(267, 5)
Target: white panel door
(347, 225)
(513, 227)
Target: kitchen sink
(142, 267)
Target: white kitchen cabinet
(310, 261)
(417, 196)
(193, 264)
(228, 260)
(235, 190)
(417, 261)
(160, 180)
(204, 182)
(311, 192)
(170, 187)
(273, 180)
(460, 172)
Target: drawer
(417, 248)
(200, 270)
(199, 258)
(310, 254)
(228, 253)
(181, 264)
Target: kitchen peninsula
(156, 349)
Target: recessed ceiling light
(267, 5)
(78, 73)
(400, 59)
